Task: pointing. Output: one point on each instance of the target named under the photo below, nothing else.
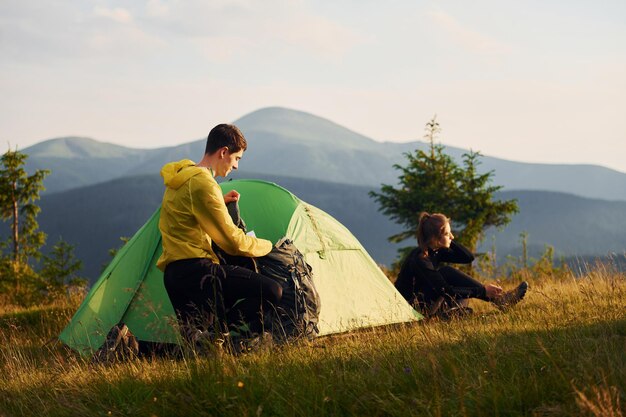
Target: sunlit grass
(560, 352)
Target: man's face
(228, 161)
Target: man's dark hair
(225, 135)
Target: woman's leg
(467, 287)
(464, 285)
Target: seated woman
(434, 289)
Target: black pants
(462, 287)
(207, 295)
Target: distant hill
(94, 218)
(289, 142)
(300, 127)
(76, 162)
(286, 142)
(81, 148)
(573, 225)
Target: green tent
(354, 292)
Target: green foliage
(422, 182)
(529, 268)
(523, 268)
(486, 263)
(20, 282)
(476, 210)
(18, 193)
(60, 269)
(432, 181)
(524, 241)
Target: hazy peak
(302, 127)
(74, 147)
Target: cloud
(315, 33)
(223, 49)
(64, 34)
(467, 38)
(216, 31)
(156, 8)
(127, 42)
(240, 27)
(118, 14)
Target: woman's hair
(431, 226)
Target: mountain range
(293, 143)
(99, 192)
(93, 218)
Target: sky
(533, 81)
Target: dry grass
(560, 352)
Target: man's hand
(231, 196)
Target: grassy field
(561, 352)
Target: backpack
(297, 313)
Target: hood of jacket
(176, 174)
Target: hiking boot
(205, 342)
(258, 342)
(262, 342)
(510, 298)
(119, 344)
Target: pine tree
(60, 268)
(432, 173)
(476, 209)
(18, 193)
(432, 181)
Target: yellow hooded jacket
(193, 213)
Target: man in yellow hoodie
(194, 214)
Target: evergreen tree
(18, 193)
(476, 210)
(60, 268)
(432, 181)
(423, 181)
